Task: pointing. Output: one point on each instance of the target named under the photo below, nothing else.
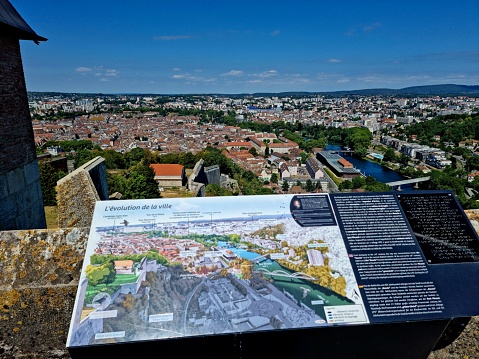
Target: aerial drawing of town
(184, 267)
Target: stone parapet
(40, 272)
(78, 192)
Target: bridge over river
(398, 184)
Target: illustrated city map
(170, 268)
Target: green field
(110, 288)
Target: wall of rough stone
(40, 273)
(20, 193)
(16, 132)
(77, 194)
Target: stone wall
(16, 132)
(40, 273)
(213, 175)
(78, 192)
(20, 193)
(96, 168)
(21, 199)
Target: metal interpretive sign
(218, 267)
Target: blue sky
(179, 47)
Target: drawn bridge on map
(282, 273)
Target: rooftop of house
(167, 169)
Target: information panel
(169, 268)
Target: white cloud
(83, 69)
(276, 33)
(111, 73)
(98, 74)
(176, 69)
(333, 60)
(269, 73)
(233, 73)
(104, 79)
(188, 77)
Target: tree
(48, 182)
(389, 155)
(403, 159)
(187, 159)
(304, 157)
(358, 182)
(358, 138)
(102, 274)
(309, 185)
(346, 184)
(82, 157)
(253, 151)
(134, 156)
(274, 178)
(116, 183)
(214, 190)
(246, 270)
(285, 186)
(141, 182)
(113, 159)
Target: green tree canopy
(274, 178)
(134, 156)
(100, 274)
(358, 138)
(390, 155)
(141, 182)
(48, 182)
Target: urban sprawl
(186, 123)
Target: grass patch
(51, 215)
(176, 193)
(333, 176)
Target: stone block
(8, 213)
(15, 180)
(32, 173)
(3, 187)
(40, 272)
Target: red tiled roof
(345, 163)
(167, 169)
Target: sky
(228, 46)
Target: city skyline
(217, 47)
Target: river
(303, 291)
(368, 168)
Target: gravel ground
(466, 346)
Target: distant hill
(430, 90)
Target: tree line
(131, 175)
